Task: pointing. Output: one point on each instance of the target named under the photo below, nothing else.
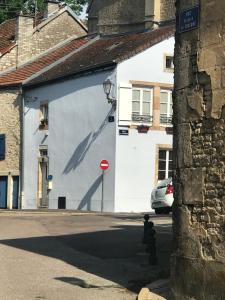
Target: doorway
(3, 191)
(15, 193)
(43, 179)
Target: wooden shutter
(125, 103)
(2, 146)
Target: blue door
(3, 191)
(15, 191)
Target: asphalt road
(67, 255)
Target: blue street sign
(189, 19)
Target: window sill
(168, 70)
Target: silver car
(162, 197)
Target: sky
(83, 14)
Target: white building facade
(69, 127)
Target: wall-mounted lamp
(107, 86)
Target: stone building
(22, 40)
(116, 16)
(25, 37)
(198, 261)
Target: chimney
(51, 6)
(24, 38)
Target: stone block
(185, 78)
(184, 150)
(157, 290)
(196, 105)
(218, 102)
(193, 185)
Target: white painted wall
(135, 153)
(148, 65)
(79, 138)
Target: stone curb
(157, 290)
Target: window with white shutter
(125, 104)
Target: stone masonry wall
(54, 32)
(32, 43)
(116, 16)
(10, 102)
(198, 260)
(167, 10)
(8, 60)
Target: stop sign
(104, 164)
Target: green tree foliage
(11, 8)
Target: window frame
(167, 160)
(159, 147)
(140, 116)
(43, 121)
(2, 146)
(165, 68)
(169, 103)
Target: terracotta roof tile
(19, 75)
(105, 51)
(7, 35)
(101, 52)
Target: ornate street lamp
(107, 86)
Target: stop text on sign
(104, 164)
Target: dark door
(44, 187)
(15, 191)
(3, 191)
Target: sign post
(104, 165)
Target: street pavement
(81, 256)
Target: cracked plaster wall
(198, 260)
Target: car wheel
(158, 211)
(166, 210)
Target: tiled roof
(7, 35)
(98, 53)
(105, 51)
(17, 76)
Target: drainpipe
(22, 153)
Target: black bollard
(151, 244)
(146, 218)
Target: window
(166, 109)
(164, 164)
(141, 105)
(43, 152)
(2, 146)
(168, 63)
(44, 116)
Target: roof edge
(7, 50)
(54, 16)
(56, 47)
(84, 72)
(59, 61)
(141, 49)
